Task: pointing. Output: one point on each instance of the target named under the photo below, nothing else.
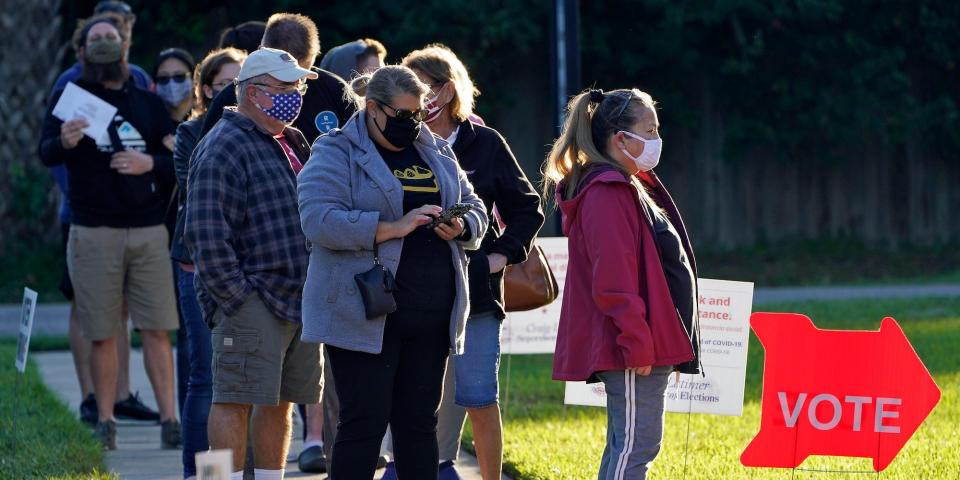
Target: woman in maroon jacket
(629, 305)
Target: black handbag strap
(376, 254)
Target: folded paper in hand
(78, 103)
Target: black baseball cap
(115, 6)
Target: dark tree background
(782, 120)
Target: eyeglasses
(176, 77)
(418, 114)
(222, 84)
(623, 108)
(286, 88)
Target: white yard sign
(725, 330)
(27, 312)
(535, 331)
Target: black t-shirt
(676, 268)
(99, 194)
(324, 106)
(425, 276)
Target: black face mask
(400, 133)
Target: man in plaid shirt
(243, 233)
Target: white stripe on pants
(634, 422)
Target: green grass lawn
(49, 442)
(547, 440)
(831, 262)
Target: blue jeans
(476, 369)
(196, 408)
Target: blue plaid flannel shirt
(243, 222)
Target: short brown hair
(438, 62)
(374, 47)
(295, 34)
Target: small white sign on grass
(724, 309)
(27, 312)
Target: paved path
(139, 456)
(787, 294)
(51, 318)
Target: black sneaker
(312, 460)
(170, 435)
(88, 411)
(133, 409)
(106, 433)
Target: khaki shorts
(259, 359)
(107, 264)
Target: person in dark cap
(350, 60)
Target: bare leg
(104, 370)
(158, 361)
(271, 435)
(227, 428)
(81, 348)
(123, 356)
(488, 439)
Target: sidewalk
(139, 456)
(51, 318)
(794, 294)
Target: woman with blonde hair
(472, 378)
(213, 74)
(629, 315)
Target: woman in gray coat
(378, 182)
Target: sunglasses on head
(177, 77)
(418, 114)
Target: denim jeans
(196, 408)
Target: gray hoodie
(344, 191)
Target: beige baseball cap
(276, 63)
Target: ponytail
(575, 148)
(592, 118)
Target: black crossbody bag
(376, 288)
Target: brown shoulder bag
(529, 284)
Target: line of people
(205, 209)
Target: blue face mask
(286, 106)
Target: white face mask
(650, 156)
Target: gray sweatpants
(634, 422)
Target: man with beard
(117, 242)
(127, 19)
(127, 406)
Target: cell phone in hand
(449, 214)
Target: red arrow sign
(834, 392)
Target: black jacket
(324, 106)
(500, 182)
(99, 195)
(188, 135)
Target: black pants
(401, 386)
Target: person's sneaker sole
(170, 435)
(132, 411)
(106, 433)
